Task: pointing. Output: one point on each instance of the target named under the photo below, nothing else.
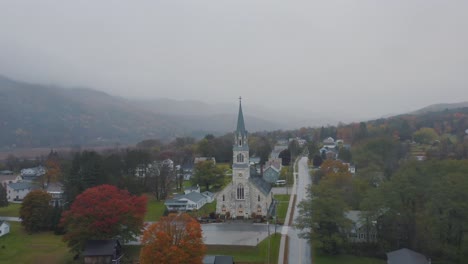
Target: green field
(282, 207)
(44, 247)
(348, 259)
(258, 254)
(11, 210)
(155, 209)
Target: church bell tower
(240, 164)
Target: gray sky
(348, 58)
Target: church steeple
(240, 121)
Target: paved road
(299, 249)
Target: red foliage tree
(174, 239)
(103, 212)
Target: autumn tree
(53, 170)
(176, 239)
(35, 211)
(206, 174)
(103, 212)
(425, 135)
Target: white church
(245, 196)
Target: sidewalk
(8, 218)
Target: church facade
(245, 196)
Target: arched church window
(259, 198)
(240, 142)
(223, 209)
(259, 209)
(223, 198)
(240, 157)
(240, 191)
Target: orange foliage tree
(176, 239)
(103, 212)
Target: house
(4, 228)
(406, 256)
(209, 196)
(210, 259)
(363, 229)
(189, 202)
(55, 189)
(102, 252)
(31, 174)
(271, 174)
(187, 170)
(329, 153)
(6, 179)
(329, 142)
(192, 189)
(6, 172)
(301, 142)
(18, 190)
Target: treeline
(410, 187)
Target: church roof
(261, 184)
(240, 121)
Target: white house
(4, 228)
(18, 190)
(31, 174)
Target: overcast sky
(350, 58)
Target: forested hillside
(34, 115)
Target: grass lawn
(155, 209)
(11, 210)
(205, 210)
(282, 207)
(258, 254)
(349, 259)
(44, 247)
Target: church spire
(240, 120)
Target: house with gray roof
(18, 190)
(406, 256)
(363, 228)
(271, 174)
(189, 201)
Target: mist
(348, 60)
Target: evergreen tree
(3, 197)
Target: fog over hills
(35, 115)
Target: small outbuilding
(102, 252)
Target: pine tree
(3, 196)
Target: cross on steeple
(240, 99)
